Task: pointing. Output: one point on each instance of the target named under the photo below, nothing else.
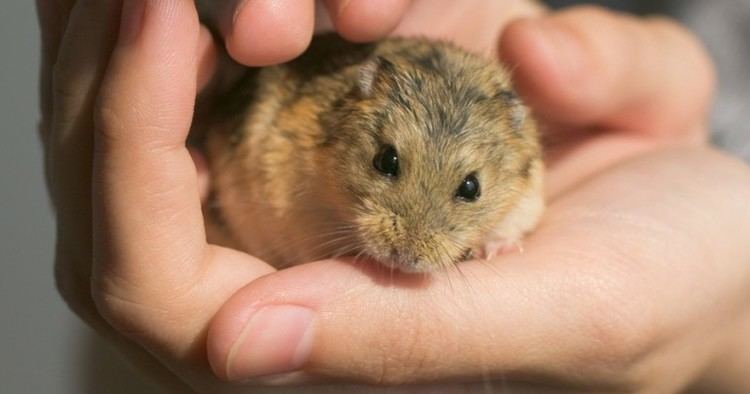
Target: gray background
(43, 347)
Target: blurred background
(45, 349)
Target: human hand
(159, 297)
(604, 296)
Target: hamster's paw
(507, 236)
(496, 247)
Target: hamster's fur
(293, 153)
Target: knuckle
(136, 305)
(135, 124)
(109, 306)
(108, 122)
(125, 315)
(115, 124)
(672, 31)
(65, 92)
(70, 104)
(131, 310)
(74, 290)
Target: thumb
(362, 323)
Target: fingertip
(265, 328)
(522, 49)
(234, 277)
(223, 331)
(551, 69)
(289, 290)
(695, 64)
(366, 20)
(262, 32)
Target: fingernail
(131, 20)
(276, 339)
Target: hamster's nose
(401, 258)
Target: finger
(155, 278)
(265, 32)
(78, 70)
(207, 67)
(51, 33)
(365, 20)
(52, 16)
(585, 304)
(591, 67)
(79, 67)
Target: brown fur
(292, 163)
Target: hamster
(412, 153)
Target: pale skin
(637, 278)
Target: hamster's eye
(469, 189)
(386, 161)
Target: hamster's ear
(516, 109)
(371, 72)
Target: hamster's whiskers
(320, 250)
(341, 233)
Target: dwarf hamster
(413, 153)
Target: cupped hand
(631, 282)
(607, 281)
